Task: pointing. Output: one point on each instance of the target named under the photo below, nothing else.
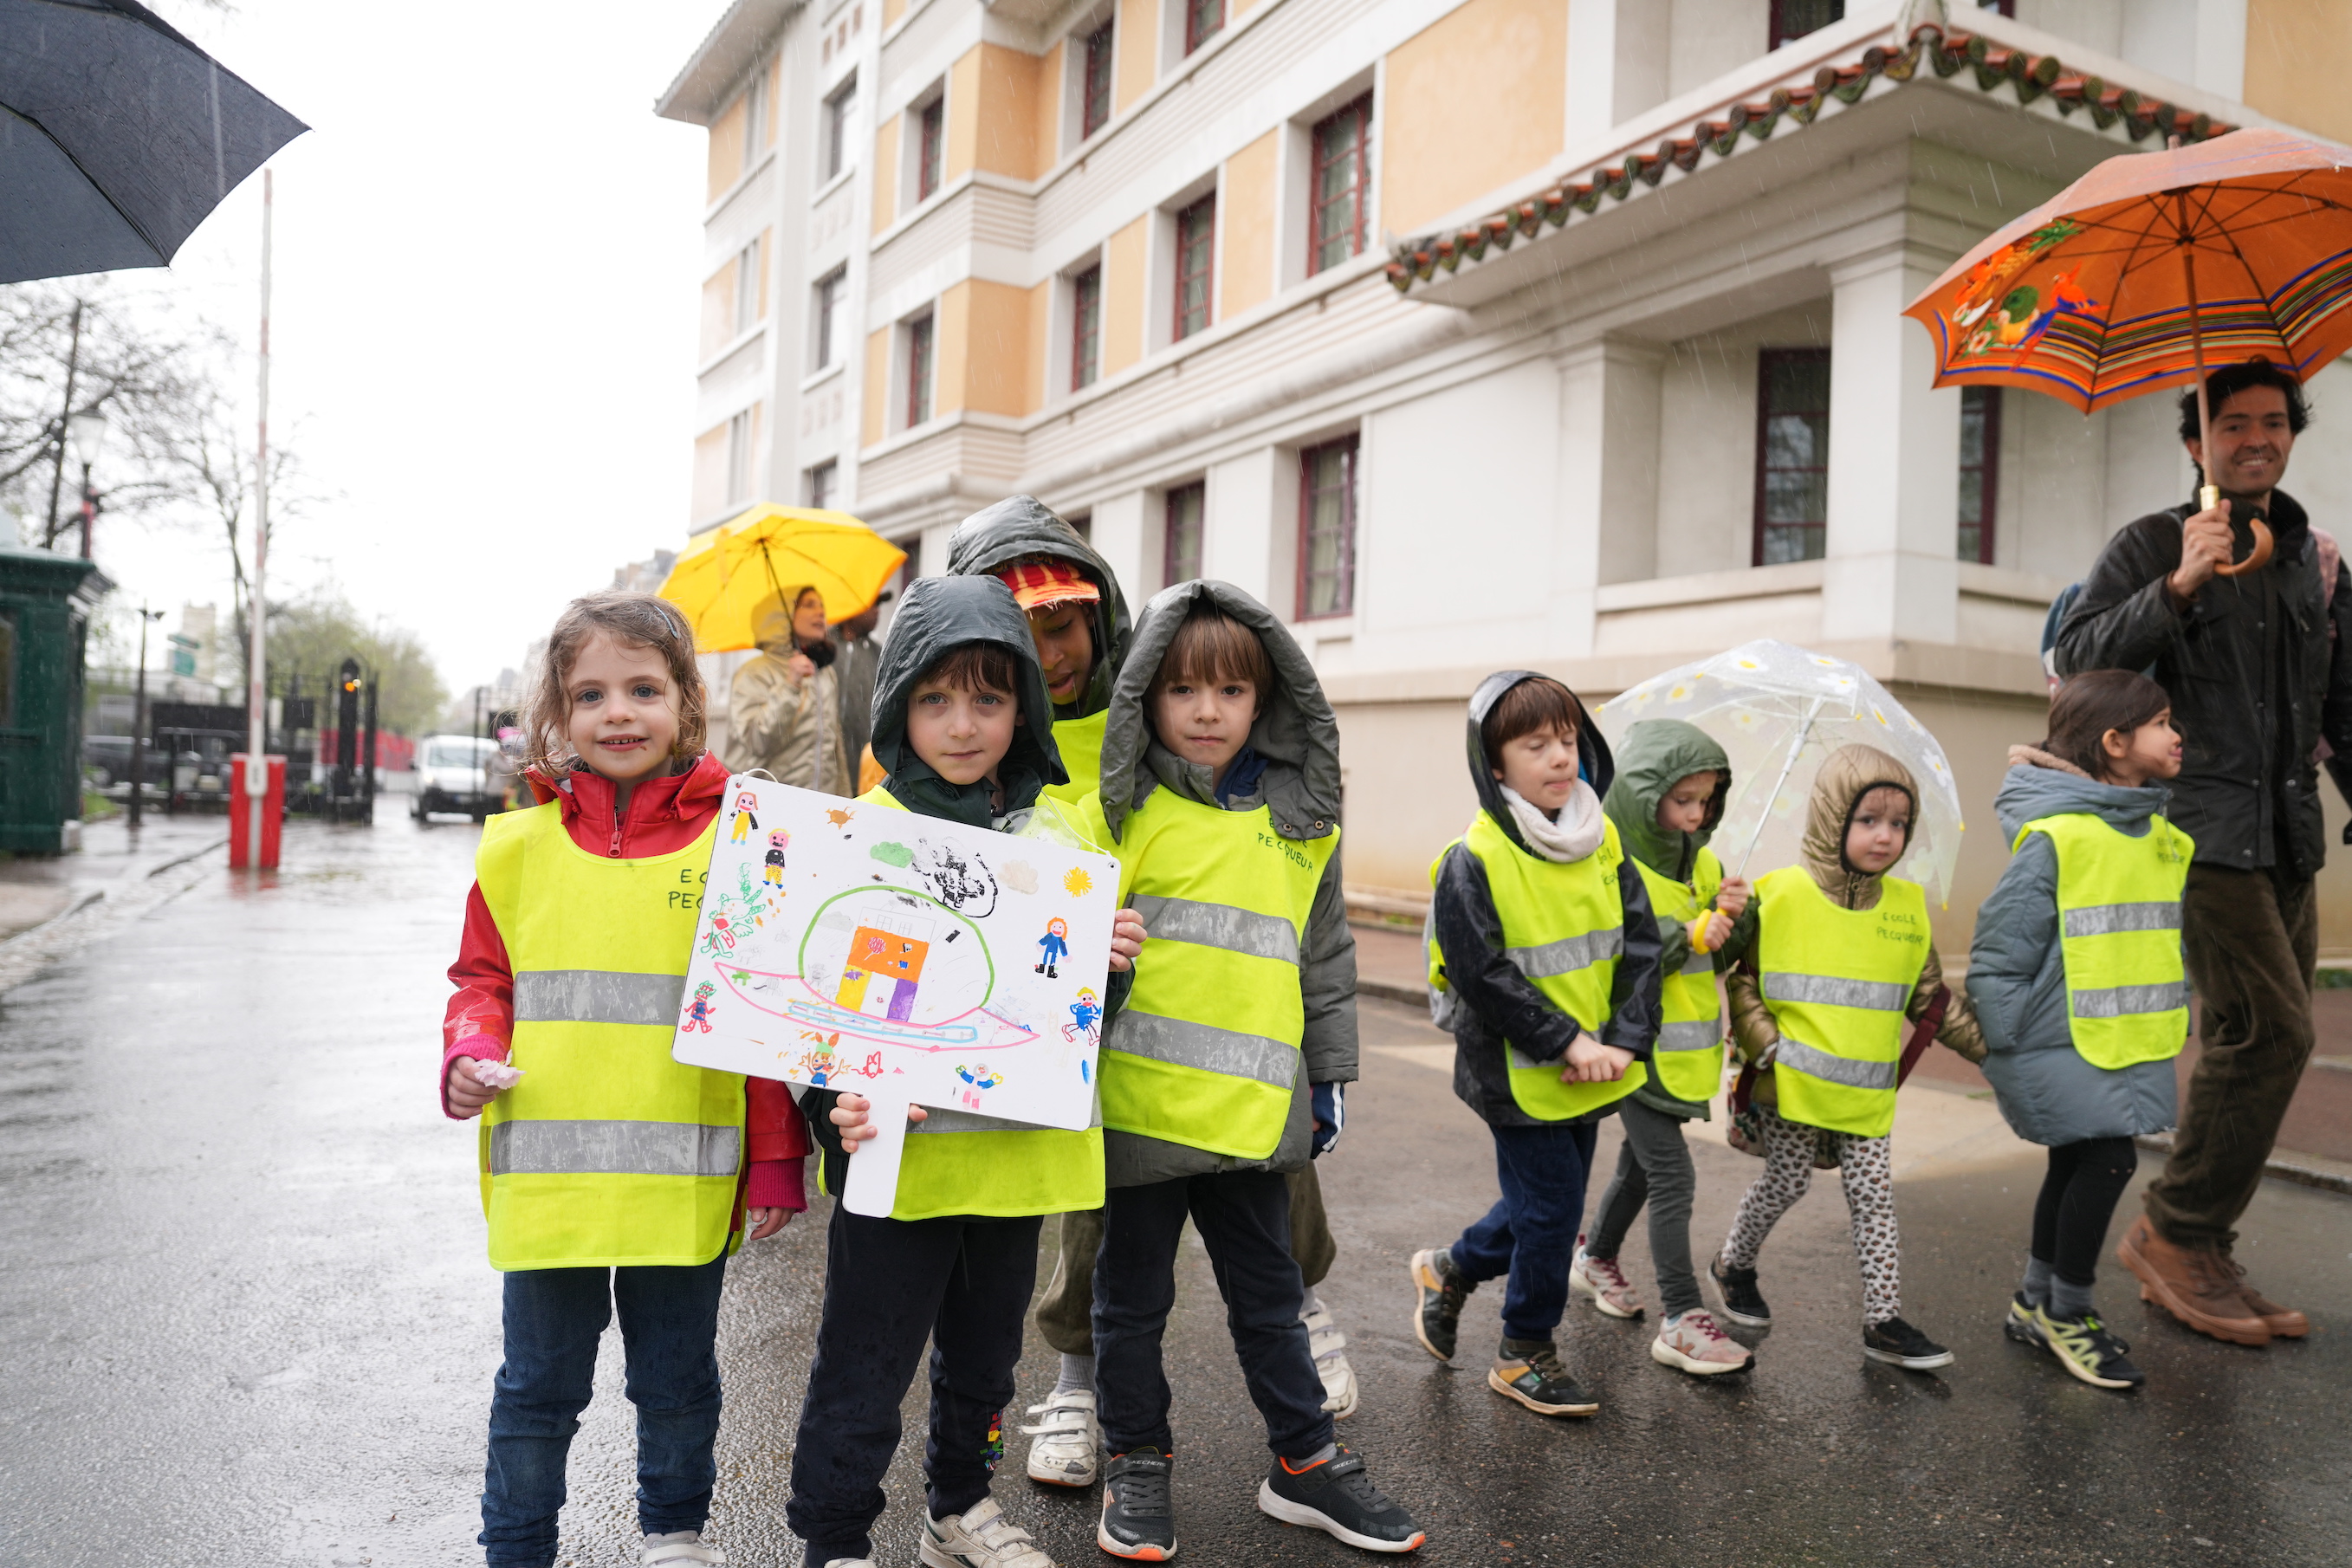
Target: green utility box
(45, 605)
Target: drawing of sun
(839, 819)
(1078, 882)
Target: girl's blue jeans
(1530, 1234)
(670, 1331)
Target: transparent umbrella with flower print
(1778, 710)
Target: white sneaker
(981, 1537)
(1329, 1347)
(1067, 1444)
(678, 1549)
(849, 1562)
(1601, 1280)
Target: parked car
(458, 774)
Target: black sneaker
(1443, 1291)
(2023, 1323)
(2085, 1347)
(1138, 1518)
(1898, 1344)
(1742, 1302)
(1337, 1497)
(1530, 1371)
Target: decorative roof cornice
(1948, 52)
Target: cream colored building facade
(1466, 333)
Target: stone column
(1608, 482)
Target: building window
(747, 288)
(1196, 245)
(1203, 20)
(932, 131)
(1327, 528)
(1341, 181)
(1085, 327)
(1179, 554)
(755, 116)
(830, 293)
(840, 111)
(823, 484)
(1979, 469)
(739, 459)
(1999, 7)
(919, 371)
(1792, 454)
(1094, 98)
(1795, 19)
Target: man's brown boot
(2198, 1287)
(2284, 1322)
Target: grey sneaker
(980, 1537)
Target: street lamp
(86, 431)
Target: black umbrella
(118, 136)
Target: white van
(458, 774)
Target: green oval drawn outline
(801, 957)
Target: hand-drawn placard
(903, 958)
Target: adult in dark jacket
(2259, 669)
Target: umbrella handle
(2256, 558)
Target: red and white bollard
(243, 816)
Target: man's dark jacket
(2259, 669)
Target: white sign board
(904, 958)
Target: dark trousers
(1065, 1314)
(669, 1329)
(1654, 1166)
(961, 1283)
(1244, 1218)
(2253, 942)
(2085, 1182)
(1530, 1233)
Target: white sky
(488, 252)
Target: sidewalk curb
(2304, 1170)
(184, 860)
(71, 910)
(1390, 991)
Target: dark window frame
(1359, 191)
(1793, 19)
(838, 108)
(930, 146)
(1987, 401)
(1176, 565)
(1195, 220)
(1086, 328)
(1342, 573)
(1766, 360)
(830, 289)
(825, 483)
(1095, 81)
(921, 350)
(1203, 20)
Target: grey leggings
(1653, 1164)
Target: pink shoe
(1696, 1346)
(1600, 1278)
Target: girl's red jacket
(664, 815)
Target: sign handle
(873, 1185)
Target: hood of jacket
(1021, 527)
(1296, 733)
(1655, 755)
(1846, 775)
(2039, 785)
(1595, 763)
(938, 615)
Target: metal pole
(1795, 747)
(50, 529)
(139, 723)
(257, 694)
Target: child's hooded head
(961, 723)
(1213, 683)
(1860, 819)
(1669, 793)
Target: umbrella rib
(163, 258)
(2139, 243)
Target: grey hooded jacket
(2017, 980)
(1299, 738)
(1022, 528)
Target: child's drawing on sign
(722, 937)
(957, 877)
(1086, 1019)
(976, 1080)
(1056, 945)
(698, 1014)
(838, 816)
(745, 823)
(778, 842)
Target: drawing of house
(878, 954)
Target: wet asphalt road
(245, 1317)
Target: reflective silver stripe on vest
(945, 1119)
(1832, 991)
(2106, 919)
(1816, 1063)
(1698, 963)
(2124, 1001)
(1200, 1045)
(1568, 955)
(613, 1149)
(1219, 925)
(1697, 1034)
(598, 996)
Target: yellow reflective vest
(1206, 1052)
(608, 1151)
(1688, 1060)
(1838, 982)
(2119, 936)
(1080, 742)
(961, 1163)
(1564, 928)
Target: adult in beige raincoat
(784, 705)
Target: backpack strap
(1923, 1033)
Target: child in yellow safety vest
(962, 723)
(612, 1175)
(1672, 781)
(1841, 964)
(1220, 792)
(1544, 964)
(2078, 974)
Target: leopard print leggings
(1865, 1166)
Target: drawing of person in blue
(1085, 1013)
(1056, 944)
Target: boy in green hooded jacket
(1666, 799)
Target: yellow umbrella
(728, 585)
